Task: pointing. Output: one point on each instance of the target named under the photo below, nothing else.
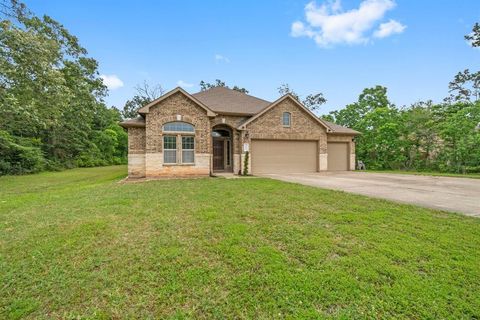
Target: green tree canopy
(51, 95)
(311, 101)
(219, 83)
(145, 94)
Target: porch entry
(222, 149)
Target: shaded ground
(79, 245)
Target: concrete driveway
(444, 193)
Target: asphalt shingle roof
(225, 100)
(338, 128)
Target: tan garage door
(337, 156)
(280, 156)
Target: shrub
(19, 156)
(245, 164)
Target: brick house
(182, 134)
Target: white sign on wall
(246, 147)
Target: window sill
(178, 164)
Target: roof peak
(227, 100)
(226, 88)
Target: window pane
(170, 142)
(178, 126)
(187, 143)
(228, 152)
(187, 156)
(170, 156)
(286, 119)
(220, 133)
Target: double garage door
(283, 156)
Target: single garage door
(337, 156)
(281, 156)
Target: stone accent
(352, 161)
(323, 161)
(136, 165)
(236, 163)
(153, 164)
(156, 168)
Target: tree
(204, 86)
(466, 85)
(312, 101)
(285, 89)
(474, 37)
(378, 120)
(420, 135)
(51, 95)
(459, 119)
(460, 141)
(145, 94)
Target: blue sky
(414, 48)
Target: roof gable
(138, 122)
(146, 109)
(277, 102)
(336, 128)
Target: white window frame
(289, 119)
(164, 149)
(180, 123)
(179, 144)
(192, 150)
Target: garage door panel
(281, 156)
(337, 156)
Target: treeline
(424, 136)
(53, 116)
(52, 113)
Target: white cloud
(388, 28)
(184, 84)
(219, 57)
(111, 81)
(328, 24)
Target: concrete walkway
(460, 195)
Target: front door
(218, 154)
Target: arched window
(286, 119)
(178, 143)
(178, 126)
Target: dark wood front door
(218, 154)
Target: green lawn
(77, 244)
(431, 173)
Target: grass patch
(77, 244)
(430, 173)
